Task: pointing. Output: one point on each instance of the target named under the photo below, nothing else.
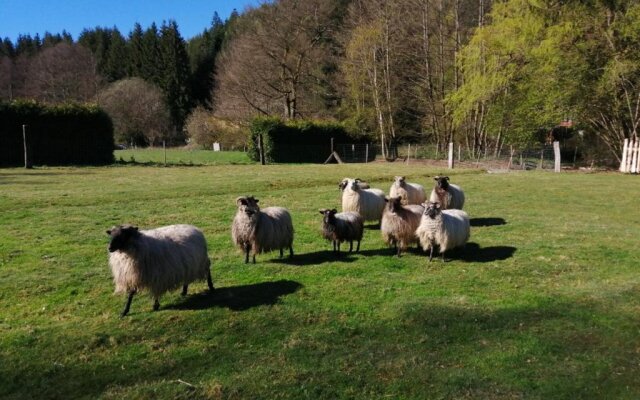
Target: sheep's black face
(328, 216)
(353, 184)
(248, 205)
(394, 204)
(442, 182)
(343, 185)
(431, 209)
(121, 236)
(400, 180)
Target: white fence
(630, 156)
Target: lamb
(369, 203)
(444, 228)
(410, 193)
(257, 231)
(447, 194)
(158, 260)
(340, 227)
(399, 223)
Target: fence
(630, 156)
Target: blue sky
(33, 16)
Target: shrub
(68, 134)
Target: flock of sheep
(163, 259)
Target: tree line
(154, 69)
(482, 73)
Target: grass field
(544, 302)
(180, 156)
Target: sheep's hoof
(156, 305)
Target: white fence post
(556, 153)
(450, 155)
(634, 157)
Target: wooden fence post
(164, 148)
(556, 154)
(366, 153)
(27, 157)
(450, 160)
(261, 149)
(634, 157)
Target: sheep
(399, 223)
(158, 260)
(447, 194)
(444, 228)
(369, 203)
(410, 193)
(340, 227)
(361, 184)
(257, 231)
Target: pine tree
(151, 62)
(115, 67)
(175, 73)
(134, 50)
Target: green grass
(180, 156)
(544, 303)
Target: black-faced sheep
(340, 227)
(369, 203)
(399, 223)
(447, 194)
(410, 193)
(158, 260)
(258, 231)
(446, 229)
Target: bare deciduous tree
(62, 73)
(138, 111)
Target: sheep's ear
(446, 177)
(109, 232)
(241, 200)
(256, 200)
(322, 211)
(386, 199)
(334, 211)
(134, 228)
(435, 178)
(437, 204)
(357, 180)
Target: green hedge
(56, 135)
(298, 141)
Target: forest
(480, 73)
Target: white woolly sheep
(158, 260)
(410, 193)
(399, 223)
(446, 229)
(369, 203)
(340, 227)
(447, 194)
(257, 231)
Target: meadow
(543, 303)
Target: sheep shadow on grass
(490, 221)
(239, 298)
(472, 252)
(318, 257)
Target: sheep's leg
(350, 246)
(156, 304)
(247, 249)
(443, 260)
(358, 248)
(254, 258)
(281, 252)
(209, 281)
(290, 252)
(431, 253)
(399, 249)
(337, 241)
(334, 245)
(184, 289)
(128, 304)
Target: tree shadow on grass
(239, 298)
(317, 257)
(490, 221)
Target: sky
(38, 16)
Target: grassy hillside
(543, 303)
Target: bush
(57, 135)
(204, 129)
(297, 141)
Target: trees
(273, 65)
(62, 73)
(138, 111)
